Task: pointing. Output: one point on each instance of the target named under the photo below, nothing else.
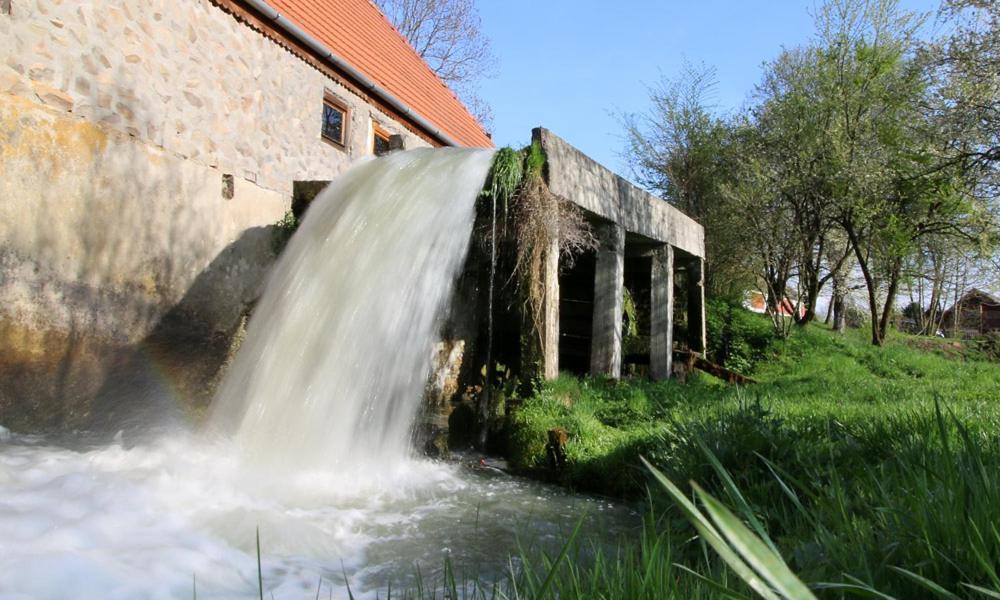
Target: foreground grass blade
(982, 590)
(855, 589)
(562, 556)
(736, 495)
(756, 553)
(715, 585)
(260, 572)
(710, 535)
(925, 583)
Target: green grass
(864, 468)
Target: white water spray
(339, 348)
(323, 392)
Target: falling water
(339, 347)
(317, 408)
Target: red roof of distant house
(359, 33)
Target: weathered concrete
(697, 336)
(609, 281)
(578, 178)
(661, 339)
(550, 329)
(621, 208)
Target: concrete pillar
(661, 314)
(609, 283)
(697, 338)
(550, 326)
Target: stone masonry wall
(118, 120)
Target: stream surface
(157, 520)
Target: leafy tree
(680, 150)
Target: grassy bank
(862, 466)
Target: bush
(737, 338)
(991, 345)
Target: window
(380, 140)
(334, 121)
(5, 7)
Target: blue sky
(572, 65)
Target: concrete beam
(697, 337)
(609, 284)
(661, 309)
(578, 178)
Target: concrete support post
(550, 327)
(697, 338)
(609, 283)
(661, 314)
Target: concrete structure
(628, 222)
(146, 147)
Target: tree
(448, 35)
(680, 151)
(968, 71)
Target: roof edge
(325, 53)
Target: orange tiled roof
(359, 33)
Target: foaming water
(311, 439)
(339, 347)
(150, 520)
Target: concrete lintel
(578, 178)
(661, 309)
(609, 283)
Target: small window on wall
(334, 121)
(380, 140)
(5, 7)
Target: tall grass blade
(856, 589)
(982, 590)
(712, 537)
(347, 582)
(562, 555)
(260, 572)
(925, 583)
(715, 585)
(755, 552)
(736, 495)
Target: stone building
(146, 147)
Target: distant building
(978, 313)
(756, 301)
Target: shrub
(737, 338)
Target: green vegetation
(871, 152)
(865, 467)
(283, 231)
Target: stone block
(40, 72)
(53, 97)
(11, 82)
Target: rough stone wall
(118, 120)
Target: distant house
(756, 301)
(978, 312)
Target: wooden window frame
(380, 132)
(337, 104)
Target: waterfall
(338, 350)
